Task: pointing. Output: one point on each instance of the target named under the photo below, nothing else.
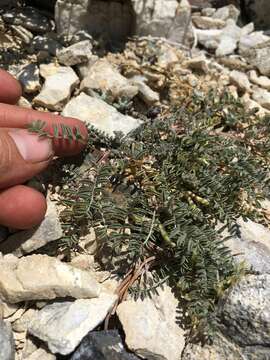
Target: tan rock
(240, 80)
(262, 81)
(155, 335)
(42, 277)
(262, 96)
(204, 22)
(40, 354)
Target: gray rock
(252, 105)
(227, 12)
(75, 54)
(229, 39)
(245, 311)
(262, 81)
(204, 22)
(240, 80)
(63, 325)
(57, 89)
(39, 277)
(7, 350)
(99, 114)
(29, 17)
(149, 96)
(150, 328)
(102, 345)
(84, 69)
(40, 354)
(260, 59)
(262, 97)
(24, 242)
(29, 78)
(103, 76)
(220, 349)
(208, 11)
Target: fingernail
(32, 147)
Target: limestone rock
(168, 57)
(26, 241)
(40, 354)
(63, 325)
(99, 114)
(23, 102)
(227, 12)
(47, 70)
(240, 80)
(260, 59)
(246, 311)
(229, 39)
(6, 342)
(29, 78)
(262, 97)
(262, 81)
(209, 38)
(150, 328)
(104, 345)
(103, 76)
(57, 89)
(198, 63)
(221, 349)
(75, 54)
(21, 324)
(149, 96)
(29, 17)
(42, 277)
(252, 105)
(252, 40)
(84, 68)
(204, 22)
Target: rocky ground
(58, 312)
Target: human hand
(24, 155)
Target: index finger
(12, 116)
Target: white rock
(57, 89)
(262, 81)
(209, 38)
(260, 59)
(240, 80)
(26, 241)
(47, 70)
(252, 40)
(204, 22)
(6, 342)
(23, 102)
(103, 76)
(208, 11)
(21, 324)
(63, 325)
(150, 328)
(229, 39)
(84, 68)
(262, 97)
(149, 96)
(75, 54)
(29, 78)
(227, 12)
(99, 114)
(168, 57)
(251, 104)
(42, 277)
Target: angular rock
(40, 354)
(45, 43)
(262, 81)
(47, 70)
(220, 349)
(26, 241)
(63, 325)
(29, 78)
(209, 38)
(57, 89)
(103, 76)
(227, 12)
(245, 311)
(29, 17)
(260, 59)
(25, 35)
(83, 69)
(229, 39)
(203, 22)
(168, 57)
(38, 277)
(208, 11)
(21, 324)
(252, 105)
(102, 345)
(240, 80)
(23, 102)
(262, 97)
(99, 114)
(75, 54)
(7, 351)
(252, 40)
(155, 334)
(149, 96)
(198, 63)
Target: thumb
(22, 156)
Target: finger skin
(16, 117)
(21, 207)
(10, 88)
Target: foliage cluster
(162, 192)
